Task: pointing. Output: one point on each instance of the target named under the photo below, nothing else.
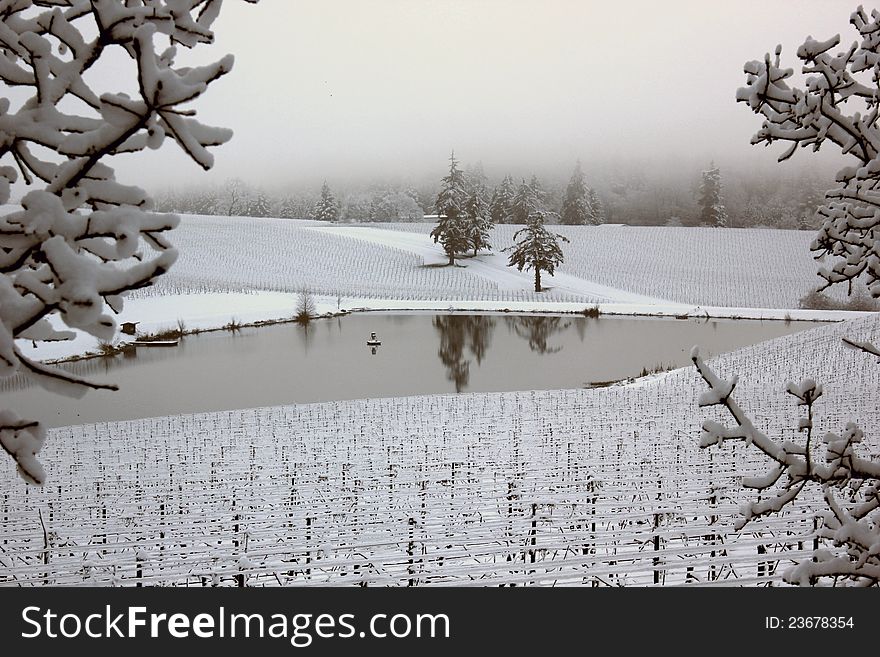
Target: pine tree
(576, 208)
(475, 178)
(536, 248)
(712, 210)
(524, 204)
(260, 206)
(502, 200)
(288, 207)
(327, 209)
(540, 193)
(477, 221)
(451, 229)
(596, 213)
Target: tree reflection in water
(457, 334)
(538, 330)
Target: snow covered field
(604, 264)
(579, 487)
(704, 266)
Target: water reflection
(460, 332)
(420, 354)
(538, 330)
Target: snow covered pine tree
(73, 249)
(502, 201)
(712, 210)
(839, 104)
(535, 247)
(477, 221)
(327, 209)
(576, 210)
(451, 229)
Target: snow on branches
(534, 246)
(839, 104)
(712, 210)
(75, 244)
(849, 483)
(452, 229)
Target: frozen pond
(420, 354)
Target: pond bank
(219, 311)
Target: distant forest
(637, 197)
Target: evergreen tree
(382, 207)
(288, 207)
(259, 205)
(451, 229)
(596, 211)
(576, 208)
(327, 209)
(712, 211)
(475, 178)
(536, 248)
(477, 221)
(525, 202)
(502, 200)
(541, 194)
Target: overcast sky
(337, 89)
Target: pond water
(420, 354)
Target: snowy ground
(493, 267)
(692, 266)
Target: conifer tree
(712, 210)
(502, 200)
(451, 229)
(327, 208)
(536, 248)
(576, 208)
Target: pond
(420, 354)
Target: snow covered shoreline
(216, 311)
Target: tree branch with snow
(79, 240)
(850, 484)
(838, 104)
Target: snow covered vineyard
(399, 261)
(578, 487)
(685, 265)
(290, 256)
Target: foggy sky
(356, 90)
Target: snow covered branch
(839, 104)
(76, 243)
(850, 484)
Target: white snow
(493, 267)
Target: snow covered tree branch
(840, 105)
(850, 484)
(74, 246)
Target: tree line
(633, 196)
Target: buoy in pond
(373, 341)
